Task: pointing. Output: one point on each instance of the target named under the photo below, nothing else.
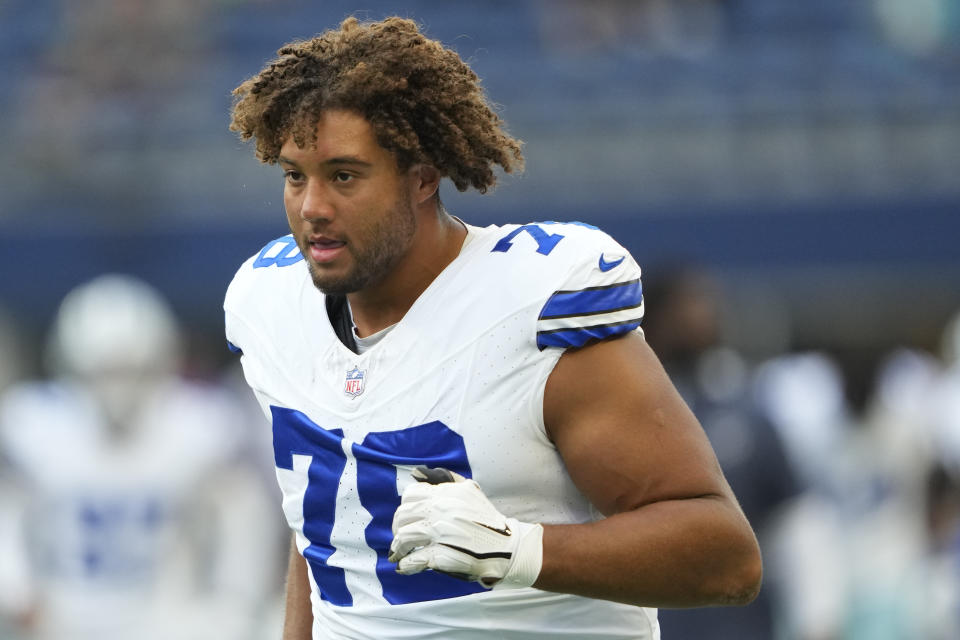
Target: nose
(316, 204)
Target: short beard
(388, 243)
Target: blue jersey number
(546, 242)
(432, 444)
(281, 252)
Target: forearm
(675, 553)
(298, 619)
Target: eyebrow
(340, 160)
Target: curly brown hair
(424, 103)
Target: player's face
(348, 206)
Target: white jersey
(104, 519)
(457, 383)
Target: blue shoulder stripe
(234, 348)
(593, 300)
(580, 336)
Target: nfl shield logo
(354, 383)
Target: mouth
(323, 249)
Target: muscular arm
(674, 535)
(298, 619)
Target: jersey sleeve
(236, 331)
(259, 304)
(600, 298)
(243, 307)
(246, 293)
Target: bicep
(625, 434)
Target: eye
(293, 176)
(342, 177)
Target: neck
(437, 243)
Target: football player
(472, 437)
(123, 481)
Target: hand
(446, 523)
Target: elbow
(739, 567)
(747, 587)
(729, 575)
(742, 580)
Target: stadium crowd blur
(786, 173)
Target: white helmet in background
(117, 335)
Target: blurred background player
(872, 551)
(129, 509)
(845, 462)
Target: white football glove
(446, 523)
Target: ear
(426, 181)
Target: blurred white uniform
(457, 383)
(122, 475)
(860, 562)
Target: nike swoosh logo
(606, 266)
(504, 532)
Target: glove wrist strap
(527, 558)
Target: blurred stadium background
(804, 154)
(808, 151)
